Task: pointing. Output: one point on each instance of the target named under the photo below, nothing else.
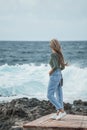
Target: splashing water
(29, 80)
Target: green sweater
(54, 63)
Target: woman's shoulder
(54, 54)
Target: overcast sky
(43, 19)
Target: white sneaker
(54, 117)
(61, 115)
(58, 116)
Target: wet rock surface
(23, 110)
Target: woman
(55, 94)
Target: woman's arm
(51, 71)
(53, 64)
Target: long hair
(55, 45)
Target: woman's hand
(51, 71)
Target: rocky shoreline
(23, 110)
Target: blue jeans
(55, 94)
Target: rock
(68, 108)
(85, 103)
(78, 102)
(20, 112)
(33, 102)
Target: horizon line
(38, 40)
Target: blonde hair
(55, 45)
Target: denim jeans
(54, 93)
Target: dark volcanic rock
(68, 107)
(24, 109)
(78, 102)
(79, 107)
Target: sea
(24, 67)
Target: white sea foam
(29, 80)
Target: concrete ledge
(69, 122)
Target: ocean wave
(32, 80)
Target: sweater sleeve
(54, 61)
